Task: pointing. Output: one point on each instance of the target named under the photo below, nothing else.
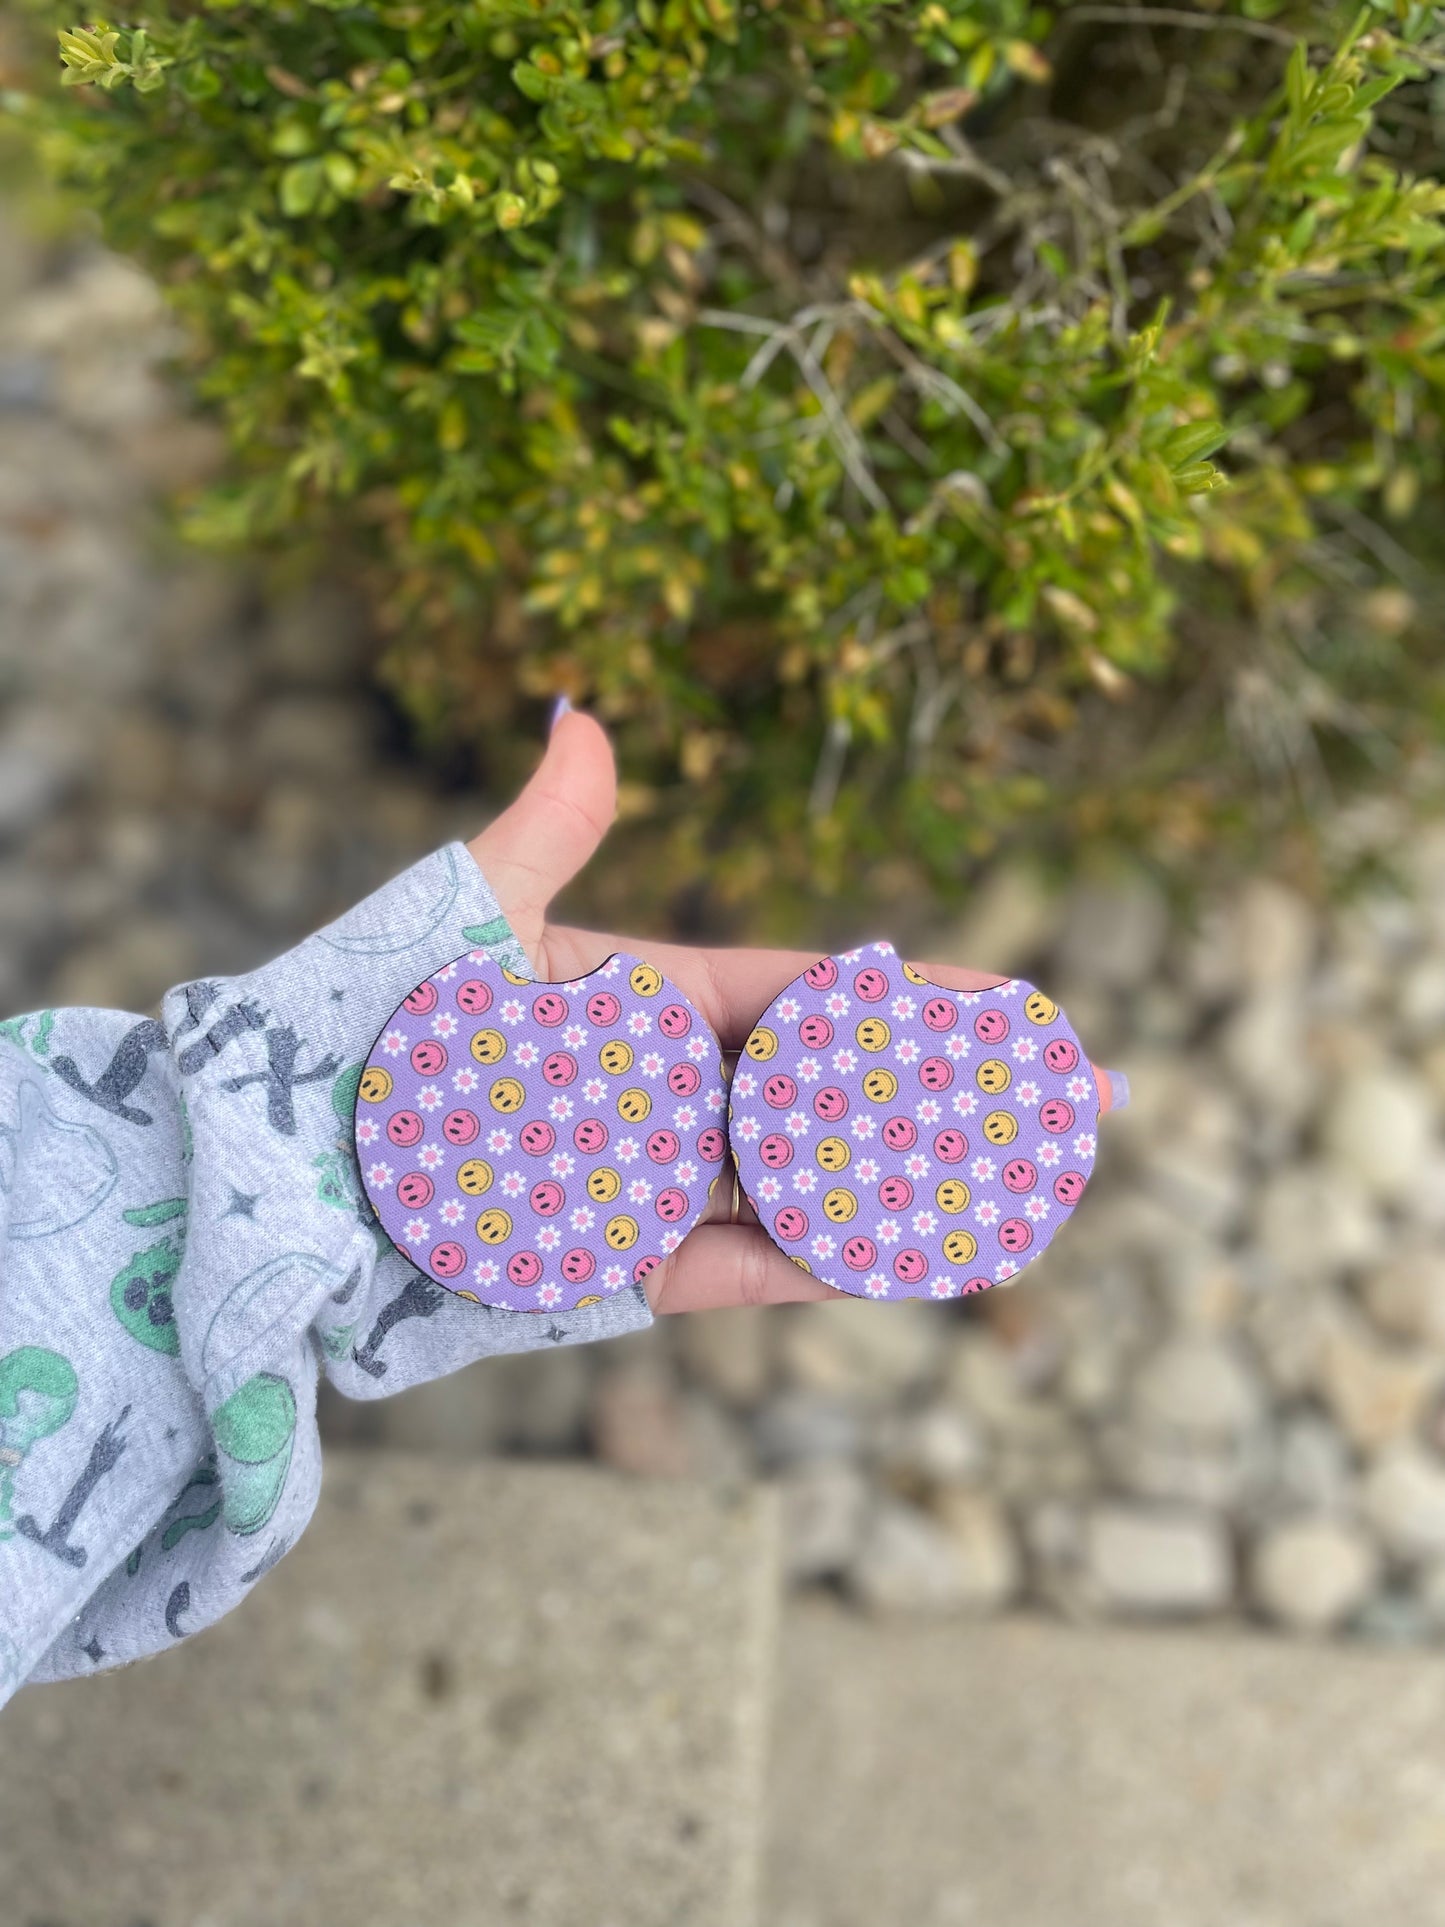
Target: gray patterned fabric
(184, 1248)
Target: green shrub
(917, 425)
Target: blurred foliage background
(920, 430)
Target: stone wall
(1220, 1394)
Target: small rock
(1276, 935)
(1204, 1190)
(862, 1350)
(1404, 1499)
(1217, 1473)
(1312, 1221)
(1311, 1575)
(1113, 931)
(1420, 1006)
(40, 757)
(1008, 922)
(984, 1542)
(1264, 1048)
(795, 1427)
(909, 1562)
(1201, 1388)
(935, 1445)
(1157, 1562)
(728, 1351)
(824, 1505)
(1376, 1392)
(1430, 1592)
(637, 1424)
(1380, 1126)
(1405, 1296)
(1313, 1471)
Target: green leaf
(301, 186)
(1188, 444)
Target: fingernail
(1119, 1086)
(559, 710)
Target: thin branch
(1173, 17)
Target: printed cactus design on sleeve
(339, 1183)
(38, 1393)
(141, 1291)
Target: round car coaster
(534, 1146)
(901, 1140)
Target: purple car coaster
(901, 1140)
(535, 1146)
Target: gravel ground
(1220, 1396)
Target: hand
(528, 854)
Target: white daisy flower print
(430, 1157)
(627, 1149)
(639, 1023)
(582, 1217)
(1049, 1152)
(684, 1117)
(549, 1295)
(822, 1246)
(379, 1176)
(686, 1172)
(562, 1165)
(444, 1024)
(836, 1004)
(906, 1050)
(924, 1222)
(798, 1124)
(929, 1111)
(1025, 1049)
(670, 1240)
(957, 1045)
(888, 1231)
(747, 1128)
(1028, 1092)
(560, 1108)
(1084, 1144)
(876, 1285)
(1079, 1088)
(744, 1084)
(805, 1180)
(429, 1097)
(987, 1212)
(903, 1007)
(499, 1141)
(614, 1278)
(1005, 1268)
(864, 1125)
(466, 1079)
(446, 973)
(697, 1048)
(526, 1053)
(715, 1100)
(594, 1090)
(868, 1171)
(845, 1061)
(651, 1063)
(984, 1170)
(575, 1036)
(809, 1070)
(368, 1131)
(790, 1010)
(394, 1042)
(513, 1184)
(639, 1191)
(942, 1287)
(916, 1165)
(548, 1237)
(452, 1212)
(417, 1231)
(512, 1011)
(769, 1190)
(1036, 1209)
(965, 1103)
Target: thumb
(540, 841)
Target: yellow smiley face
(489, 1046)
(873, 1034)
(470, 1295)
(1040, 1009)
(494, 1227)
(960, 1247)
(833, 1154)
(475, 1177)
(763, 1044)
(1000, 1127)
(615, 1057)
(376, 1084)
(952, 1196)
(507, 1095)
(592, 1298)
(914, 976)
(880, 1086)
(839, 1206)
(994, 1076)
(603, 1185)
(512, 977)
(621, 1233)
(645, 980)
(633, 1106)
(801, 1263)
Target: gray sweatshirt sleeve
(185, 1247)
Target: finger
(543, 838)
(732, 988)
(718, 1265)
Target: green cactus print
(38, 1392)
(141, 1291)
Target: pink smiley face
(590, 1137)
(791, 1224)
(1020, 1175)
(684, 1080)
(1069, 1187)
(1056, 1115)
(537, 1137)
(821, 975)
(671, 1205)
(950, 1146)
(831, 1104)
(663, 1146)
(422, 1000)
(524, 1268)
(859, 1253)
(991, 1025)
(428, 1057)
(1015, 1234)
(910, 1266)
(474, 997)
(895, 1194)
(940, 1013)
(674, 1020)
(776, 1151)
(1061, 1054)
(447, 1258)
(461, 1127)
(547, 1198)
(711, 1144)
(645, 1265)
(871, 985)
(404, 1128)
(816, 1032)
(559, 1068)
(415, 1190)
(578, 1266)
(550, 1009)
(935, 1073)
(900, 1134)
(603, 1008)
(780, 1091)
(972, 1285)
